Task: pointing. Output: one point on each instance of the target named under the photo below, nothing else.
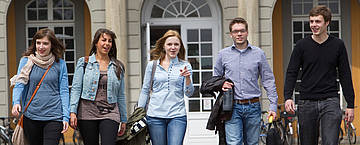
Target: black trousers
(323, 114)
(42, 132)
(90, 129)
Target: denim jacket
(85, 85)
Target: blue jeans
(244, 125)
(319, 113)
(167, 131)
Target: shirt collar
(248, 47)
(92, 59)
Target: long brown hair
(159, 52)
(112, 53)
(57, 48)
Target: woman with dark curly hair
(48, 113)
(98, 92)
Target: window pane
(194, 63)
(196, 77)
(297, 37)
(58, 30)
(198, 3)
(163, 3)
(31, 32)
(206, 75)
(70, 67)
(196, 93)
(168, 15)
(69, 31)
(43, 14)
(297, 26)
(32, 14)
(297, 9)
(206, 63)
(307, 8)
(194, 14)
(57, 14)
(193, 35)
(69, 55)
(69, 43)
(156, 12)
(334, 8)
(32, 5)
(207, 105)
(335, 34)
(205, 11)
(57, 3)
(29, 43)
(194, 105)
(68, 14)
(334, 25)
(70, 79)
(177, 6)
(193, 50)
(307, 26)
(184, 5)
(206, 49)
(171, 9)
(42, 3)
(206, 35)
(190, 9)
(67, 3)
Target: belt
(247, 101)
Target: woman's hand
(65, 126)
(73, 120)
(122, 129)
(15, 110)
(185, 72)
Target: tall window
(57, 15)
(300, 23)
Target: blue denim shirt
(169, 88)
(244, 68)
(85, 85)
(51, 102)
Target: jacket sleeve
(64, 91)
(77, 84)
(144, 94)
(18, 90)
(121, 99)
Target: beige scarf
(40, 61)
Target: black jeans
(315, 114)
(42, 132)
(90, 129)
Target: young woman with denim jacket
(48, 113)
(166, 114)
(97, 102)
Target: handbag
(136, 129)
(18, 137)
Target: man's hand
(290, 106)
(349, 114)
(227, 85)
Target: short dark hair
(321, 10)
(238, 20)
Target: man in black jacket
(321, 57)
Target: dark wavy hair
(112, 53)
(57, 48)
(159, 52)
